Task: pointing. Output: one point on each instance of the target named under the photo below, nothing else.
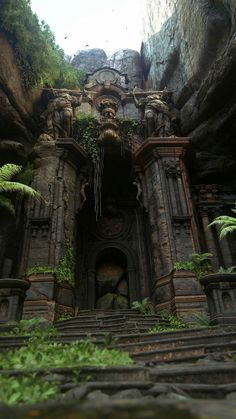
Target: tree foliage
(41, 61)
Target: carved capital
(39, 227)
(172, 168)
(181, 222)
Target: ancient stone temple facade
(118, 207)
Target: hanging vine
(87, 131)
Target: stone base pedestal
(181, 294)
(48, 299)
(12, 295)
(220, 290)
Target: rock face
(16, 105)
(194, 54)
(128, 61)
(89, 60)
(124, 60)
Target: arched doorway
(111, 280)
(111, 269)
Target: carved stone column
(173, 230)
(209, 237)
(210, 205)
(172, 224)
(51, 221)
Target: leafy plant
(40, 269)
(199, 263)
(229, 270)
(19, 390)
(7, 172)
(174, 324)
(226, 223)
(64, 317)
(40, 353)
(25, 327)
(145, 306)
(65, 272)
(183, 265)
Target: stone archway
(111, 273)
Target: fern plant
(144, 307)
(7, 172)
(226, 223)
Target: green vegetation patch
(174, 324)
(41, 61)
(199, 263)
(25, 390)
(42, 352)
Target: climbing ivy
(130, 127)
(41, 61)
(65, 272)
(86, 131)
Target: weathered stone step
(127, 340)
(111, 374)
(148, 388)
(117, 329)
(96, 324)
(205, 391)
(175, 342)
(199, 373)
(184, 353)
(104, 316)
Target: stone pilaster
(172, 224)
(51, 221)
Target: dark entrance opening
(112, 288)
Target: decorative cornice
(72, 151)
(156, 147)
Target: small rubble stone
(98, 395)
(128, 394)
(77, 393)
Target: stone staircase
(188, 363)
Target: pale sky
(80, 24)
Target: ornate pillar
(209, 237)
(50, 223)
(170, 212)
(173, 230)
(210, 205)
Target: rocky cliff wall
(16, 105)
(124, 60)
(194, 54)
